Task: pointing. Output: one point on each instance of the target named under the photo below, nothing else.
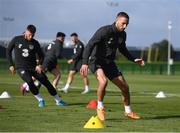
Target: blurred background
(152, 34)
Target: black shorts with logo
(76, 65)
(110, 69)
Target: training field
(21, 113)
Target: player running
(101, 49)
(27, 50)
(52, 52)
(76, 62)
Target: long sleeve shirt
(78, 51)
(54, 50)
(26, 53)
(103, 45)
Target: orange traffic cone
(92, 104)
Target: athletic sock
(100, 105)
(86, 87)
(26, 86)
(66, 87)
(57, 98)
(38, 97)
(127, 109)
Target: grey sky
(148, 18)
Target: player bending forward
(27, 51)
(100, 53)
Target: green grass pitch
(21, 113)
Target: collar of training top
(58, 41)
(115, 30)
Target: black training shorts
(76, 65)
(110, 69)
(49, 64)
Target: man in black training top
(51, 54)
(27, 50)
(76, 62)
(100, 54)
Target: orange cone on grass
(92, 104)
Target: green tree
(162, 47)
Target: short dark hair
(74, 34)
(123, 14)
(60, 34)
(31, 28)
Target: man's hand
(12, 69)
(84, 70)
(139, 61)
(38, 69)
(70, 61)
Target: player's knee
(58, 76)
(32, 87)
(103, 82)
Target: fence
(158, 68)
(125, 67)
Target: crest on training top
(31, 47)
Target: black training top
(54, 50)
(78, 51)
(25, 52)
(103, 45)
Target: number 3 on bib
(25, 53)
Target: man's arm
(95, 40)
(58, 50)
(9, 55)
(40, 57)
(123, 49)
(126, 53)
(9, 52)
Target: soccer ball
(24, 88)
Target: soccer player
(76, 62)
(100, 53)
(52, 52)
(27, 50)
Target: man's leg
(86, 84)
(102, 80)
(121, 83)
(27, 77)
(44, 80)
(57, 75)
(24, 88)
(69, 80)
